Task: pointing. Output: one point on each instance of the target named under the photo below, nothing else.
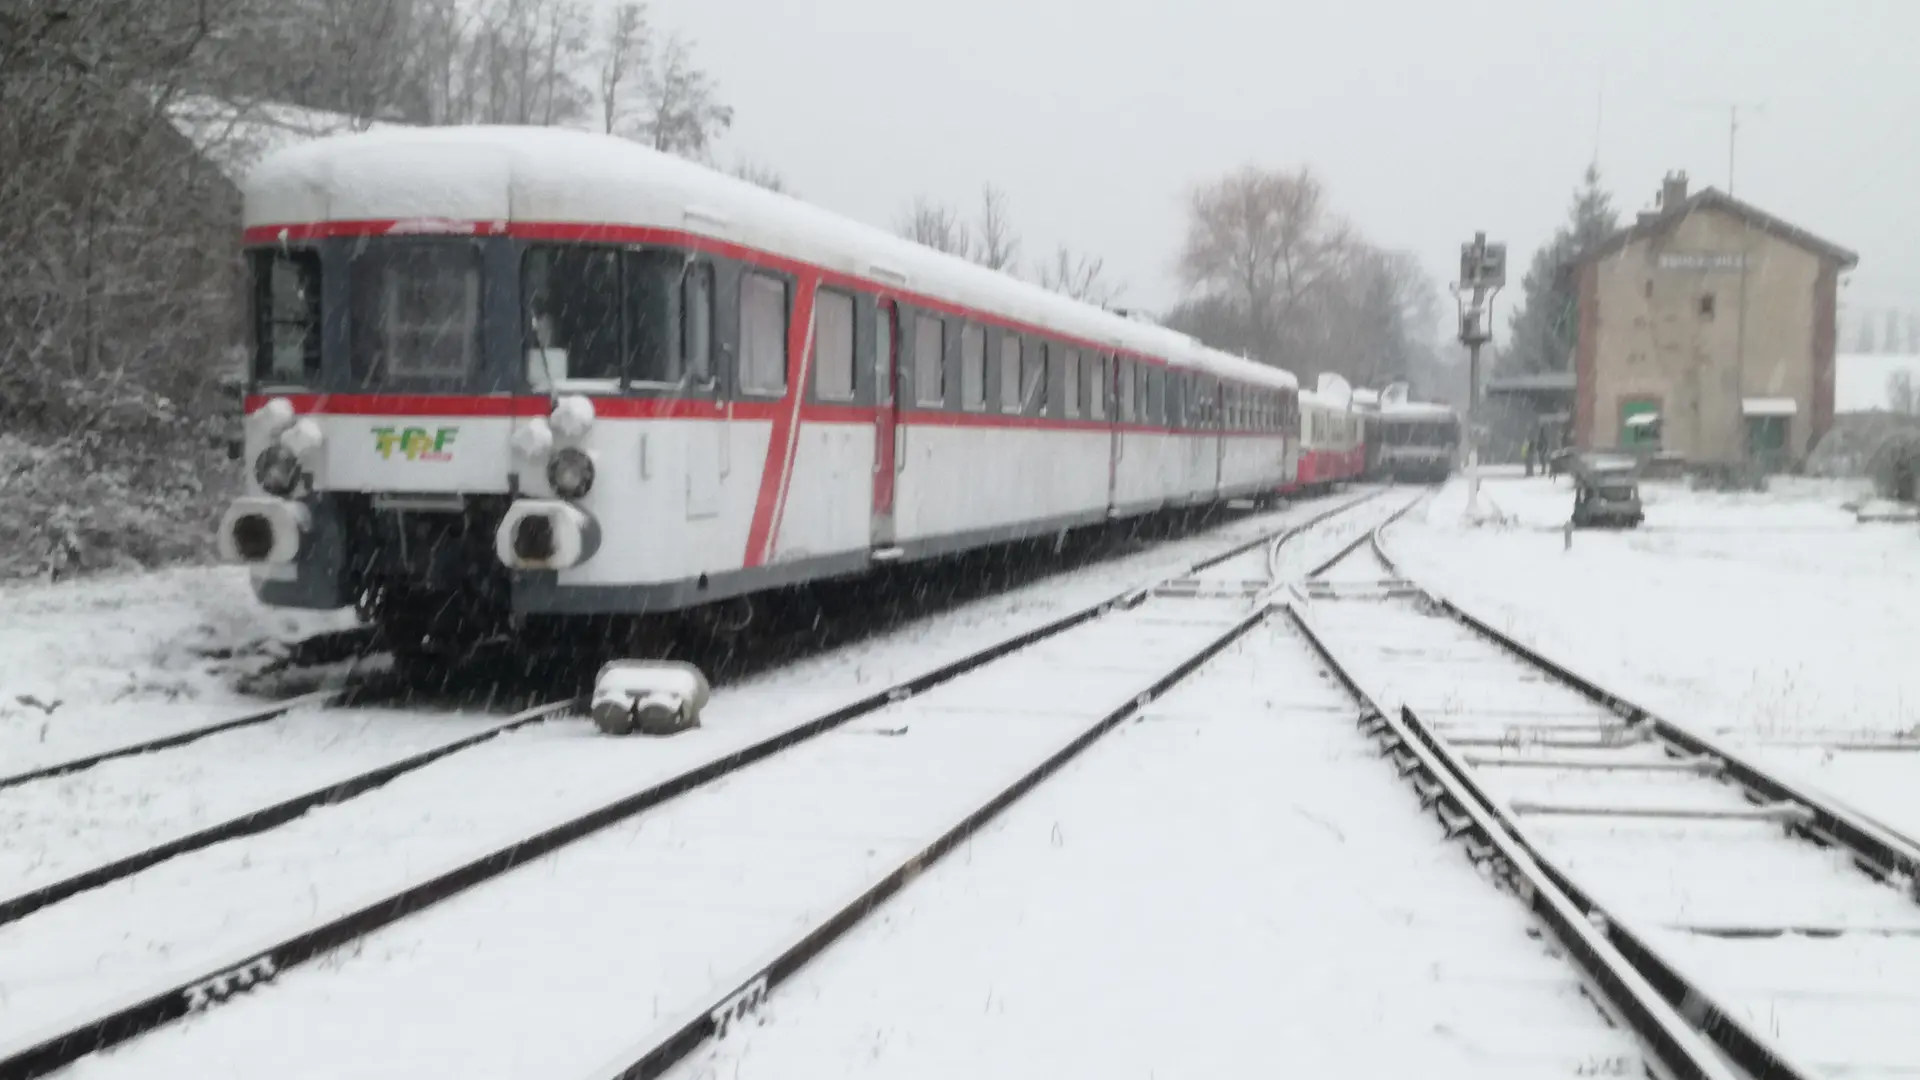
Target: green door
(1640, 425)
(1767, 438)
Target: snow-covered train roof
(552, 175)
(1416, 410)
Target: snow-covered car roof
(451, 178)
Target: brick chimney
(1673, 192)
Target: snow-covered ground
(1695, 865)
(1772, 619)
(187, 915)
(1234, 885)
(119, 658)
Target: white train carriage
(534, 371)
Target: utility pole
(1483, 270)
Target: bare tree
(1901, 397)
(998, 246)
(684, 110)
(936, 226)
(1266, 242)
(623, 59)
(1077, 276)
(765, 176)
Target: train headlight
(570, 473)
(277, 469)
(572, 415)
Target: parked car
(1606, 490)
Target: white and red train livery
(549, 372)
(1332, 437)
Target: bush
(89, 503)
(1895, 467)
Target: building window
(929, 374)
(833, 347)
(1706, 305)
(763, 335)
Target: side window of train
(572, 298)
(1070, 365)
(1036, 375)
(763, 334)
(1123, 410)
(973, 367)
(929, 374)
(696, 323)
(1102, 385)
(1012, 381)
(832, 346)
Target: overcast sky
(1428, 119)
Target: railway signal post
(1483, 271)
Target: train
(1412, 441)
(504, 375)
(1351, 433)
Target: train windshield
(286, 315)
(1420, 433)
(603, 314)
(415, 312)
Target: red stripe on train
(572, 232)
(777, 473)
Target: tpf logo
(418, 444)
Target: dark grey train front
(1419, 443)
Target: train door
(887, 458)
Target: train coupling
(263, 529)
(546, 534)
(653, 697)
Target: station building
(1706, 334)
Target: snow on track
(1307, 550)
(1838, 1004)
(53, 828)
(640, 923)
(1232, 885)
(127, 657)
(180, 918)
(1770, 620)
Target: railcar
(1332, 446)
(504, 374)
(1410, 440)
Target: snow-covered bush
(1895, 467)
(80, 505)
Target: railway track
(124, 836)
(323, 648)
(1775, 925)
(65, 1041)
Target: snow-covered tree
(1545, 323)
